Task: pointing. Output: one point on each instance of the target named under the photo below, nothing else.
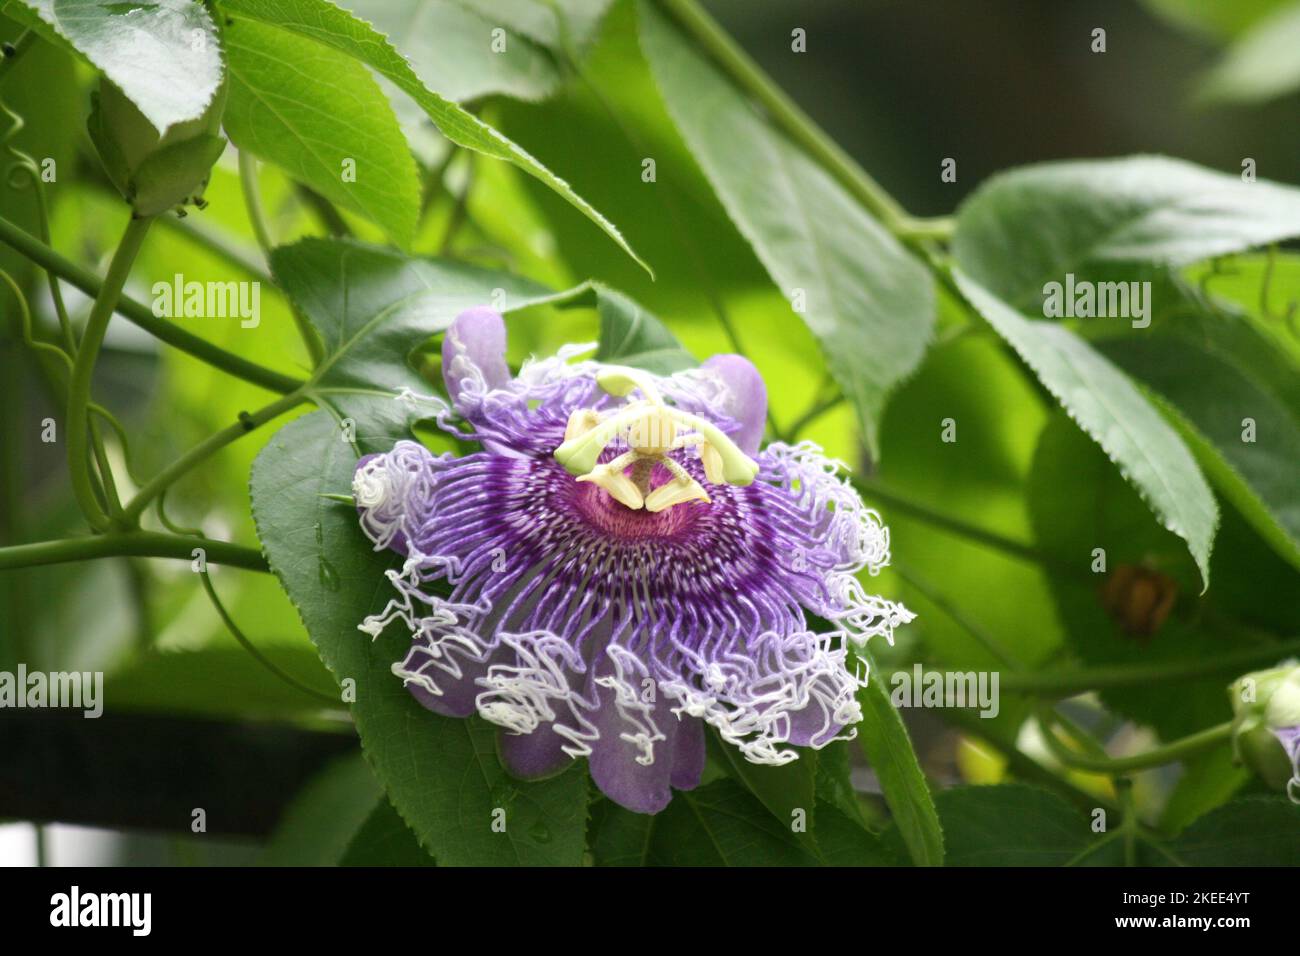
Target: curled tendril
(23, 173)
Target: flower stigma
(653, 432)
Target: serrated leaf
(441, 774)
(719, 824)
(372, 306)
(869, 303)
(164, 55)
(1034, 225)
(1258, 476)
(786, 790)
(1251, 831)
(454, 51)
(1105, 403)
(843, 842)
(889, 751)
(1011, 825)
(331, 26)
(629, 335)
(384, 839)
(320, 116)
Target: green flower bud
(155, 171)
(1266, 722)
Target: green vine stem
(205, 449)
(249, 646)
(143, 544)
(786, 113)
(139, 314)
(1068, 683)
(1168, 753)
(83, 367)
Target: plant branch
(1068, 683)
(1169, 753)
(787, 115)
(141, 315)
(83, 368)
(143, 544)
(206, 448)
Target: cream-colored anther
(581, 421)
(712, 462)
(611, 477)
(652, 430)
(676, 492)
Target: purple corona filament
(611, 611)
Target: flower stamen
(651, 429)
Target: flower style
(619, 564)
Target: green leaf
(328, 25)
(1209, 780)
(321, 821)
(546, 22)
(441, 774)
(1257, 476)
(164, 55)
(719, 824)
(833, 781)
(372, 306)
(1251, 831)
(785, 790)
(1261, 64)
(1080, 503)
(629, 335)
(619, 837)
(384, 840)
(1212, 19)
(453, 51)
(1107, 405)
(1010, 825)
(889, 750)
(866, 299)
(320, 116)
(1034, 225)
(843, 842)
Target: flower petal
(533, 756)
(747, 403)
(474, 352)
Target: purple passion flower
(624, 566)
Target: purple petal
(475, 345)
(533, 756)
(688, 754)
(748, 402)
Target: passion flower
(619, 564)
(1266, 725)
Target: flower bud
(155, 171)
(1266, 724)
